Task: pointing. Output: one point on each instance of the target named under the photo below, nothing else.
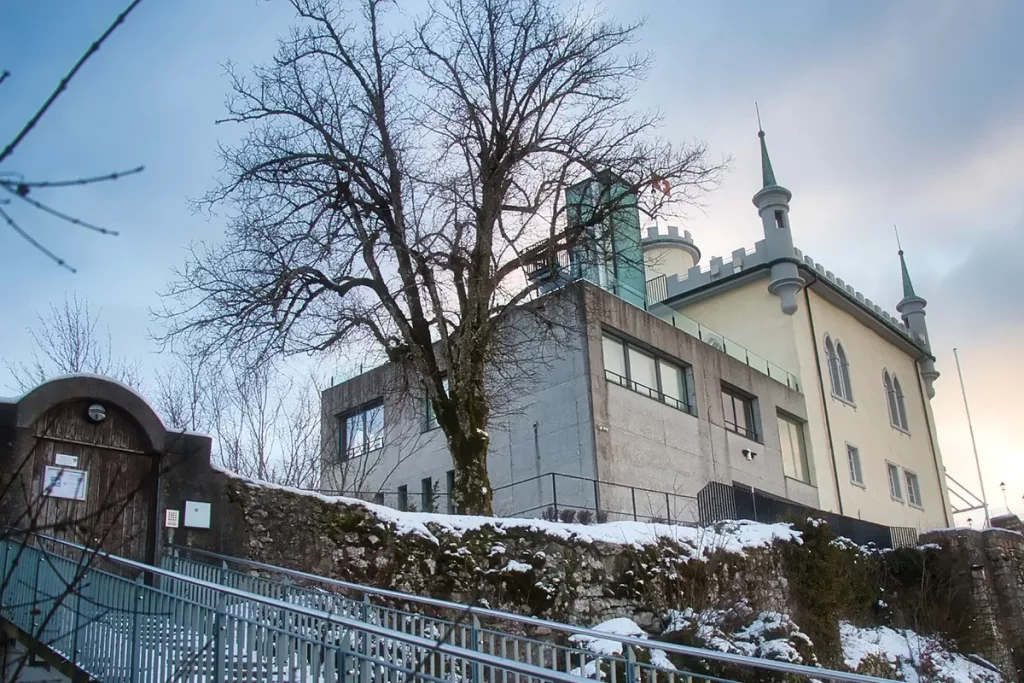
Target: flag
(660, 184)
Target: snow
(910, 653)
(622, 627)
(518, 567)
(768, 635)
(733, 537)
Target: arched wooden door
(95, 482)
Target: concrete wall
(539, 425)
(643, 442)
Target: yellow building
(869, 438)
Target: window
(739, 414)
(403, 497)
(378, 498)
(780, 221)
(894, 399)
(450, 476)
(895, 490)
(361, 431)
(838, 370)
(913, 488)
(640, 371)
(853, 457)
(426, 494)
(794, 449)
(431, 418)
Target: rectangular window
(378, 498)
(361, 432)
(431, 418)
(642, 372)
(913, 489)
(614, 359)
(427, 494)
(739, 414)
(853, 457)
(794, 449)
(450, 476)
(662, 380)
(403, 497)
(895, 490)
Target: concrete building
(765, 371)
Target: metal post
(554, 493)
(668, 507)
(364, 646)
(133, 669)
(597, 501)
(632, 493)
(630, 665)
(218, 632)
(474, 633)
(35, 593)
(974, 445)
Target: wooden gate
(95, 482)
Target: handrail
(685, 650)
(332, 619)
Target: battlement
(745, 259)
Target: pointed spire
(767, 174)
(908, 287)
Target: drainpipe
(824, 400)
(935, 455)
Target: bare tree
(395, 182)
(67, 341)
(23, 190)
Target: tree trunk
(472, 493)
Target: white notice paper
(66, 460)
(62, 482)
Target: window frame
(891, 467)
(403, 498)
(687, 403)
(342, 420)
(838, 370)
(750, 408)
(430, 422)
(427, 494)
(853, 456)
(913, 491)
(805, 456)
(896, 406)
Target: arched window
(901, 409)
(844, 372)
(891, 399)
(838, 370)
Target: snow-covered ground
(917, 659)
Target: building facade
(764, 371)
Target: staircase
(205, 618)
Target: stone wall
(964, 587)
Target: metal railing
(601, 501)
(502, 634)
(169, 626)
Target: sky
(876, 113)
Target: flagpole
(974, 444)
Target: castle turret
(911, 308)
(669, 254)
(772, 202)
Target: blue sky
(876, 113)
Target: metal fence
(499, 633)
(554, 496)
(717, 501)
(168, 626)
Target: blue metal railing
(503, 634)
(166, 626)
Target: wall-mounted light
(97, 413)
(749, 454)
